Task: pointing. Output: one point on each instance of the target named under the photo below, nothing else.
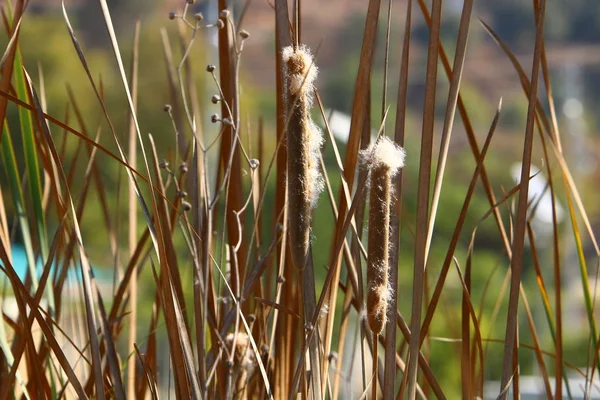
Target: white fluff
(301, 69)
(384, 153)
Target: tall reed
(304, 142)
(384, 159)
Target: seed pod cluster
(384, 159)
(304, 140)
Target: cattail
(304, 141)
(244, 361)
(383, 158)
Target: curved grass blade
(85, 265)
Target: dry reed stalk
(384, 159)
(304, 141)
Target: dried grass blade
(148, 372)
(22, 296)
(469, 314)
(558, 335)
(585, 285)
(471, 137)
(85, 266)
(8, 58)
(283, 345)
(172, 298)
(359, 116)
(122, 156)
(230, 154)
(422, 212)
(34, 172)
(457, 71)
(521, 221)
(458, 227)
(389, 381)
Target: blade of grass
(521, 221)
(459, 225)
(132, 216)
(31, 164)
(172, 298)
(585, 285)
(558, 336)
(8, 57)
(470, 135)
(85, 266)
(457, 71)
(422, 211)
(359, 115)
(283, 347)
(122, 156)
(389, 385)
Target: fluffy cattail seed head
(244, 359)
(304, 142)
(384, 159)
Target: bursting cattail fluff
(244, 361)
(304, 142)
(384, 159)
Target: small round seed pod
(220, 24)
(244, 34)
(384, 158)
(198, 16)
(210, 68)
(224, 13)
(214, 118)
(215, 99)
(172, 15)
(167, 108)
(304, 142)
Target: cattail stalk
(384, 159)
(304, 141)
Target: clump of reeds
(384, 159)
(304, 141)
(244, 362)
